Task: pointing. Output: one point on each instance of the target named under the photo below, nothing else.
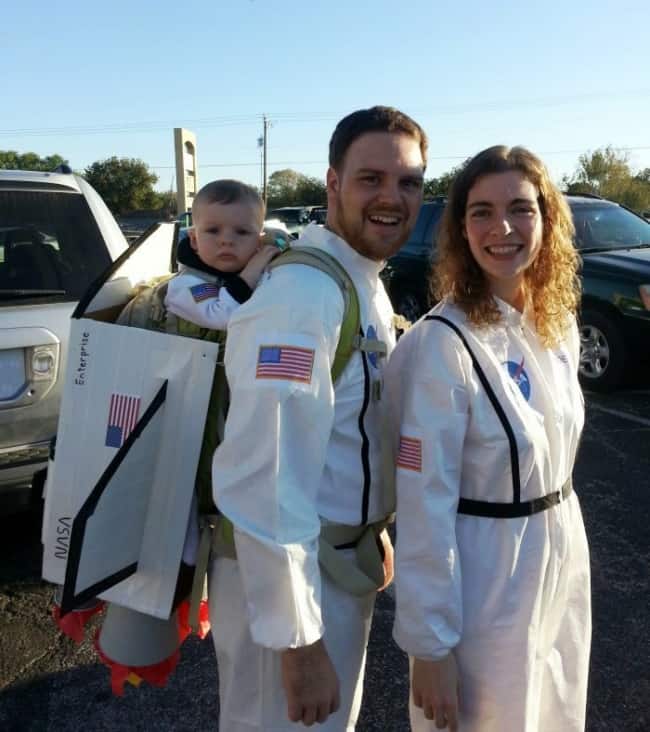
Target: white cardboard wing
(120, 486)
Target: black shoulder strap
(514, 453)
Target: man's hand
(256, 264)
(435, 690)
(389, 558)
(310, 683)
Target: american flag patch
(122, 418)
(285, 362)
(410, 454)
(204, 291)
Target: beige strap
(370, 345)
(359, 577)
(337, 534)
(223, 539)
(207, 526)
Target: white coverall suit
(297, 451)
(509, 596)
(203, 299)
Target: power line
(301, 117)
(430, 157)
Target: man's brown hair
(375, 119)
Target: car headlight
(644, 291)
(44, 361)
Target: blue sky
(90, 80)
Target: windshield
(50, 245)
(609, 227)
(423, 237)
(290, 216)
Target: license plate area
(12, 373)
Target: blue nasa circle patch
(519, 376)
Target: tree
(125, 184)
(643, 175)
(12, 160)
(290, 188)
(607, 173)
(440, 186)
(166, 202)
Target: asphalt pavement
(49, 684)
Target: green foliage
(643, 175)
(607, 173)
(440, 186)
(12, 160)
(289, 188)
(125, 184)
(166, 203)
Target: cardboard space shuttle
(121, 480)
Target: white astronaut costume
(509, 594)
(204, 299)
(297, 451)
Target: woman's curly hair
(552, 288)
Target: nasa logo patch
(519, 376)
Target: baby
(222, 260)
(220, 263)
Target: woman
(492, 563)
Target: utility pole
(266, 126)
(260, 147)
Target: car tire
(603, 353)
(410, 307)
(36, 490)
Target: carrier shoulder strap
(507, 427)
(349, 338)
(146, 309)
(518, 508)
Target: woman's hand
(389, 558)
(434, 685)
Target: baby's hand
(257, 263)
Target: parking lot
(48, 684)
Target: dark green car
(615, 315)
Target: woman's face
(503, 226)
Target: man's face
(375, 196)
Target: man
(300, 452)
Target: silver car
(56, 237)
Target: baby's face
(226, 235)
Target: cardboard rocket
(133, 410)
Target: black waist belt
(514, 510)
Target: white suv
(56, 237)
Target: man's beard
(351, 230)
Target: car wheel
(409, 306)
(36, 490)
(602, 351)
